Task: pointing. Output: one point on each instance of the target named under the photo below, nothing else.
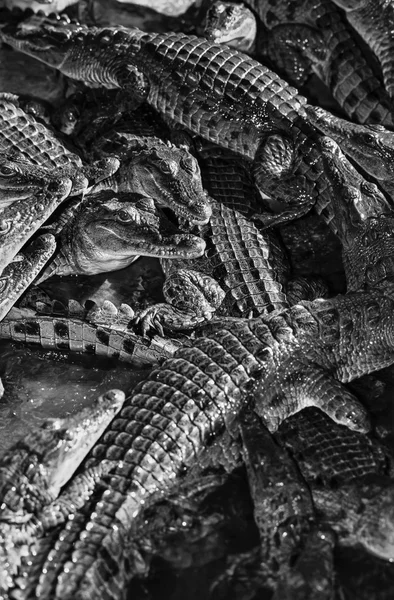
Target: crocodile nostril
(53, 186)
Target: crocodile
(103, 330)
(374, 22)
(20, 180)
(109, 231)
(370, 146)
(350, 476)
(244, 270)
(23, 137)
(307, 37)
(229, 23)
(33, 474)
(285, 517)
(168, 419)
(149, 163)
(20, 219)
(20, 273)
(221, 94)
(365, 221)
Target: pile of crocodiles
(250, 461)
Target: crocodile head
(38, 466)
(231, 24)
(50, 40)
(109, 231)
(375, 528)
(364, 219)
(370, 146)
(169, 174)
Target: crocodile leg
(275, 172)
(374, 21)
(162, 429)
(305, 385)
(29, 140)
(222, 95)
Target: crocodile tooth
(93, 311)
(109, 308)
(75, 308)
(126, 312)
(42, 307)
(58, 307)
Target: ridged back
(329, 453)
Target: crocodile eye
(6, 171)
(189, 165)
(169, 167)
(369, 138)
(5, 226)
(123, 216)
(3, 284)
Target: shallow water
(42, 384)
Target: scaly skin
(111, 230)
(243, 267)
(150, 164)
(365, 221)
(23, 217)
(164, 172)
(23, 137)
(167, 421)
(20, 180)
(37, 467)
(361, 512)
(105, 331)
(329, 454)
(19, 274)
(221, 94)
(346, 471)
(374, 21)
(231, 24)
(371, 146)
(308, 36)
(284, 515)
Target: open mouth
(173, 223)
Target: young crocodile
(374, 21)
(106, 331)
(243, 271)
(149, 163)
(33, 473)
(370, 146)
(109, 231)
(23, 137)
(221, 94)
(301, 37)
(170, 417)
(349, 475)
